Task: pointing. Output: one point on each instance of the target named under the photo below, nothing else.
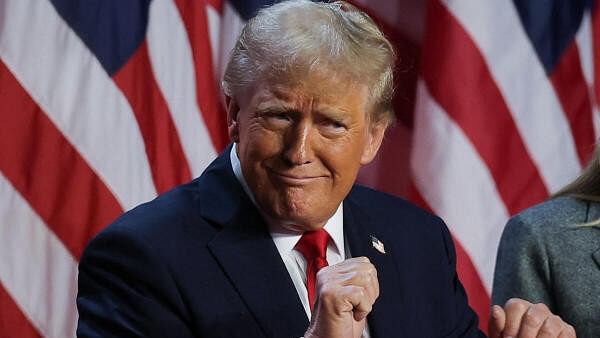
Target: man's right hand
(345, 296)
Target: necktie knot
(313, 244)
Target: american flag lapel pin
(377, 244)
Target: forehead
(316, 89)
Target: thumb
(497, 321)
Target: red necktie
(313, 246)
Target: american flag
(106, 103)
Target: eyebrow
(281, 102)
(280, 94)
(280, 106)
(336, 114)
(277, 105)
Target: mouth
(294, 179)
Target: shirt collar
(237, 170)
(287, 240)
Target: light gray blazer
(544, 256)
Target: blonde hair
(296, 36)
(587, 185)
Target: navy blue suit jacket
(198, 261)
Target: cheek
(262, 145)
(343, 157)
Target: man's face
(301, 146)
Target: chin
(295, 211)
(303, 220)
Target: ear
(233, 110)
(374, 140)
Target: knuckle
(516, 304)
(532, 318)
(362, 259)
(351, 275)
(551, 325)
(540, 307)
(327, 293)
(361, 291)
(367, 278)
(554, 321)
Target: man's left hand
(522, 319)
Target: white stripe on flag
(69, 84)
(173, 65)
(496, 28)
(584, 44)
(586, 54)
(231, 26)
(214, 33)
(454, 181)
(37, 270)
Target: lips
(295, 179)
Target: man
(235, 253)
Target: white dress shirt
(285, 241)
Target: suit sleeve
(522, 266)
(125, 290)
(467, 322)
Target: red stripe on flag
(471, 98)
(479, 300)
(165, 153)
(596, 48)
(216, 4)
(48, 171)
(193, 14)
(12, 321)
(572, 90)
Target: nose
(298, 145)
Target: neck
(289, 227)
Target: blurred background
(105, 104)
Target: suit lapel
(249, 258)
(385, 319)
(247, 254)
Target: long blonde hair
(587, 185)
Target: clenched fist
(345, 295)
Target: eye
(334, 124)
(276, 119)
(337, 125)
(280, 116)
(333, 127)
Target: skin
(300, 145)
(347, 292)
(522, 319)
